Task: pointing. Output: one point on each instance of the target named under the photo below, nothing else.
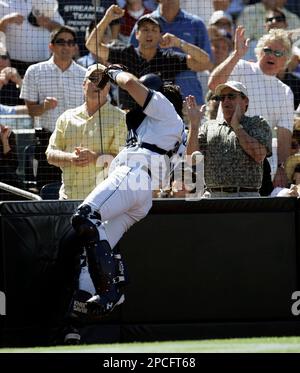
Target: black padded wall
(216, 260)
(190, 263)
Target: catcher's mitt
(110, 73)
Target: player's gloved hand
(104, 80)
(111, 72)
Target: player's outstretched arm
(128, 82)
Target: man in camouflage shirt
(234, 149)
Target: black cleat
(71, 336)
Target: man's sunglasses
(4, 56)
(63, 42)
(277, 19)
(276, 53)
(230, 96)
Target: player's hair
(173, 94)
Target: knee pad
(83, 225)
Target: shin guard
(107, 273)
(105, 267)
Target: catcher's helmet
(152, 81)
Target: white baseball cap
(236, 86)
(217, 15)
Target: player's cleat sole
(72, 336)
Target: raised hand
(114, 12)
(169, 41)
(241, 44)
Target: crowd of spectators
(47, 47)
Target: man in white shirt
(52, 87)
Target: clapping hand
(11, 74)
(194, 113)
(236, 117)
(83, 156)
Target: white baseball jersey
(125, 197)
